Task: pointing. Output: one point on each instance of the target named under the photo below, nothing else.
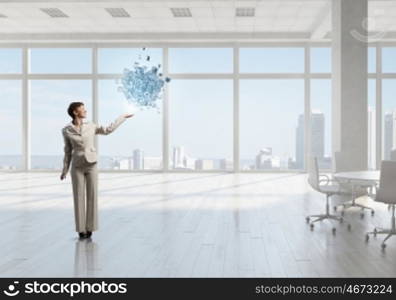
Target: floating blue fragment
(142, 86)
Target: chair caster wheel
(307, 219)
(349, 227)
(383, 246)
(375, 232)
(333, 230)
(367, 237)
(342, 213)
(341, 220)
(372, 212)
(335, 208)
(312, 226)
(362, 215)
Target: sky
(200, 110)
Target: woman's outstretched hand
(62, 176)
(128, 115)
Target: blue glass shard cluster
(143, 85)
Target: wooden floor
(185, 225)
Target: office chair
(387, 194)
(329, 188)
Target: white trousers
(85, 193)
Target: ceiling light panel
(54, 12)
(244, 12)
(180, 12)
(118, 12)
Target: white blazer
(80, 146)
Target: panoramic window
(49, 102)
(137, 143)
(271, 60)
(200, 60)
(10, 61)
(388, 118)
(271, 124)
(60, 60)
(114, 60)
(200, 124)
(321, 60)
(11, 117)
(321, 122)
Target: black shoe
(82, 235)
(89, 233)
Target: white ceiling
(294, 19)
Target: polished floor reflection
(185, 225)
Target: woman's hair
(72, 107)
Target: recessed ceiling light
(54, 12)
(244, 12)
(117, 12)
(181, 12)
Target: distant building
(371, 139)
(389, 134)
(179, 157)
(225, 164)
(265, 160)
(299, 164)
(153, 162)
(317, 138)
(125, 164)
(138, 159)
(204, 164)
(318, 135)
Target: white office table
(367, 179)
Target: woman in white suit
(80, 152)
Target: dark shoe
(82, 235)
(89, 233)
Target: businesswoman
(80, 152)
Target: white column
(349, 80)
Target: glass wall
(271, 124)
(11, 125)
(321, 60)
(114, 60)
(60, 60)
(372, 125)
(137, 143)
(388, 60)
(49, 102)
(321, 122)
(11, 110)
(200, 106)
(10, 61)
(200, 60)
(272, 60)
(201, 126)
(388, 118)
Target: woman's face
(80, 112)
